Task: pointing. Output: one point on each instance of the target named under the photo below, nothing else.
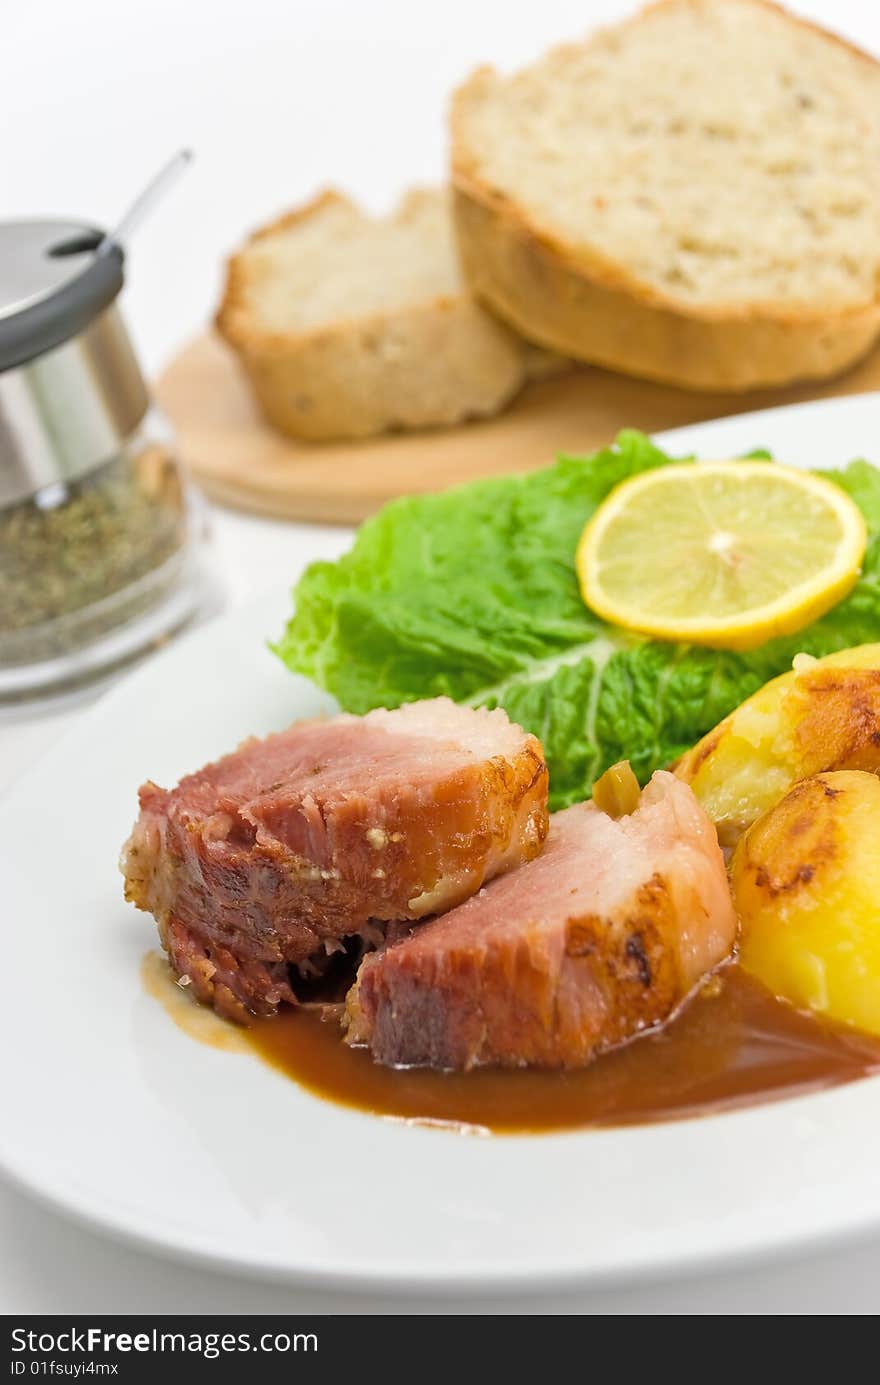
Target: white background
(277, 99)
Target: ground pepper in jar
(74, 544)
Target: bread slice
(349, 326)
(691, 197)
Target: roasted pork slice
(597, 939)
(260, 866)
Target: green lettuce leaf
(472, 593)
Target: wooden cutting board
(240, 461)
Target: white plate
(114, 1115)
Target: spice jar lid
(52, 285)
(71, 389)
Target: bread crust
(528, 282)
(589, 307)
(430, 364)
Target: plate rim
(413, 1280)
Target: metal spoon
(155, 189)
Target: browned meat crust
(268, 859)
(600, 938)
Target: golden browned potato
(806, 884)
(823, 715)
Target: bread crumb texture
(715, 155)
(308, 271)
(349, 325)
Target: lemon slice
(727, 554)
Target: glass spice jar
(101, 536)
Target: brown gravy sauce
(733, 1045)
(197, 1021)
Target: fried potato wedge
(806, 884)
(823, 715)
